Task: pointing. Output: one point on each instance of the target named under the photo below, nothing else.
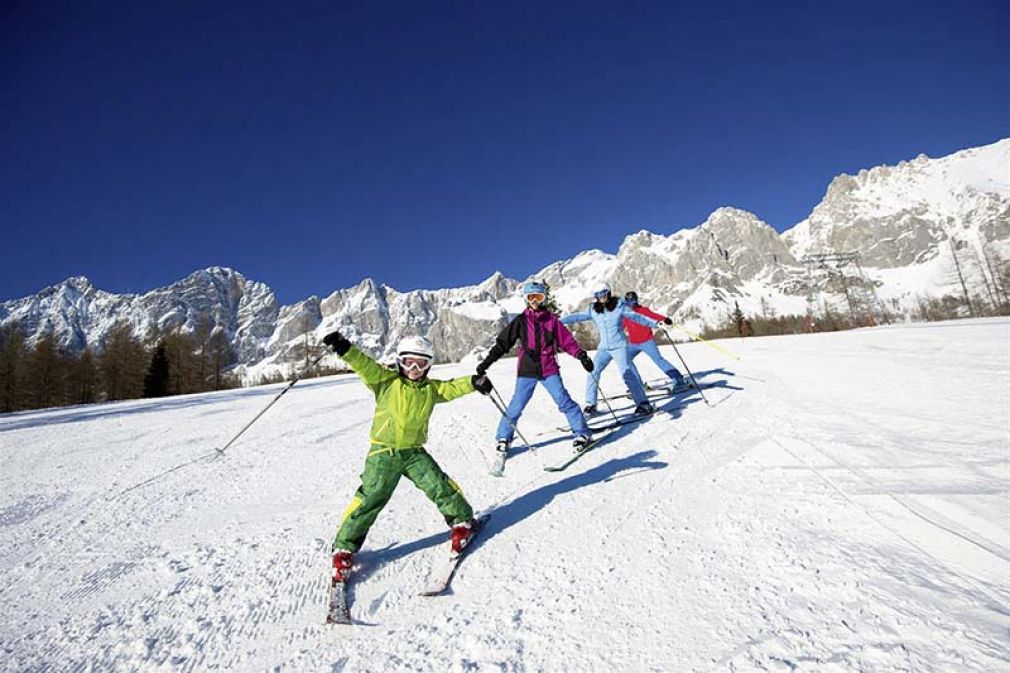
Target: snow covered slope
(841, 506)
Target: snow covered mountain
(906, 222)
(268, 337)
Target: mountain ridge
(898, 218)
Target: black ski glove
(667, 321)
(338, 342)
(484, 364)
(587, 362)
(481, 384)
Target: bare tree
(46, 382)
(123, 364)
(960, 276)
(13, 354)
(82, 378)
(221, 356)
(184, 363)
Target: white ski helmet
(601, 289)
(416, 345)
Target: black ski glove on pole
(337, 342)
(587, 362)
(481, 384)
(667, 321)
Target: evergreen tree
(156, 380)
(13, 354)
(738, 320)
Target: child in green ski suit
(404, 400)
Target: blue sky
(426, 145)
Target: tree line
(174, 363)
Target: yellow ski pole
(704, 341)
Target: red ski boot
(460, 536)
(342, 561)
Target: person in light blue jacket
(608, 315)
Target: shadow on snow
(509, 514)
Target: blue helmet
(535, 294)
(534, 287)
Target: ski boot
(342, 561)
(644, 409)
(589, 410)
(500, 455)
(581, 442)
(460, 536)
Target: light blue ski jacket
(609, 323)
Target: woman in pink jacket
(541, 336)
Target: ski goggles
(535, 298)
(601, 294)
(413, 363)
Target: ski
(574, 456)
(338, 613)
(656, 392)
(623, 420)
(670, 390)
(441, 578)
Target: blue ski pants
(525, 386)
(628, 373)
(652, 350)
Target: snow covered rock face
(457, 320)
(693, 274)
(902, 220)
(898, 216)
(81, 316)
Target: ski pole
(599, 389)
(500, 404)
(698, 338)
(281, 393)
(686, 368)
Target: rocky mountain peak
(902, 219)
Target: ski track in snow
(842, 506)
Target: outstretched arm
(640, 319)
(502, 344)
(572, 347)
(370, 371)
(572, 318)
(649, 313)
(446, 391)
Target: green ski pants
(383, 469)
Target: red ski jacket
(638, 334)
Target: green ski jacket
(402, 406)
